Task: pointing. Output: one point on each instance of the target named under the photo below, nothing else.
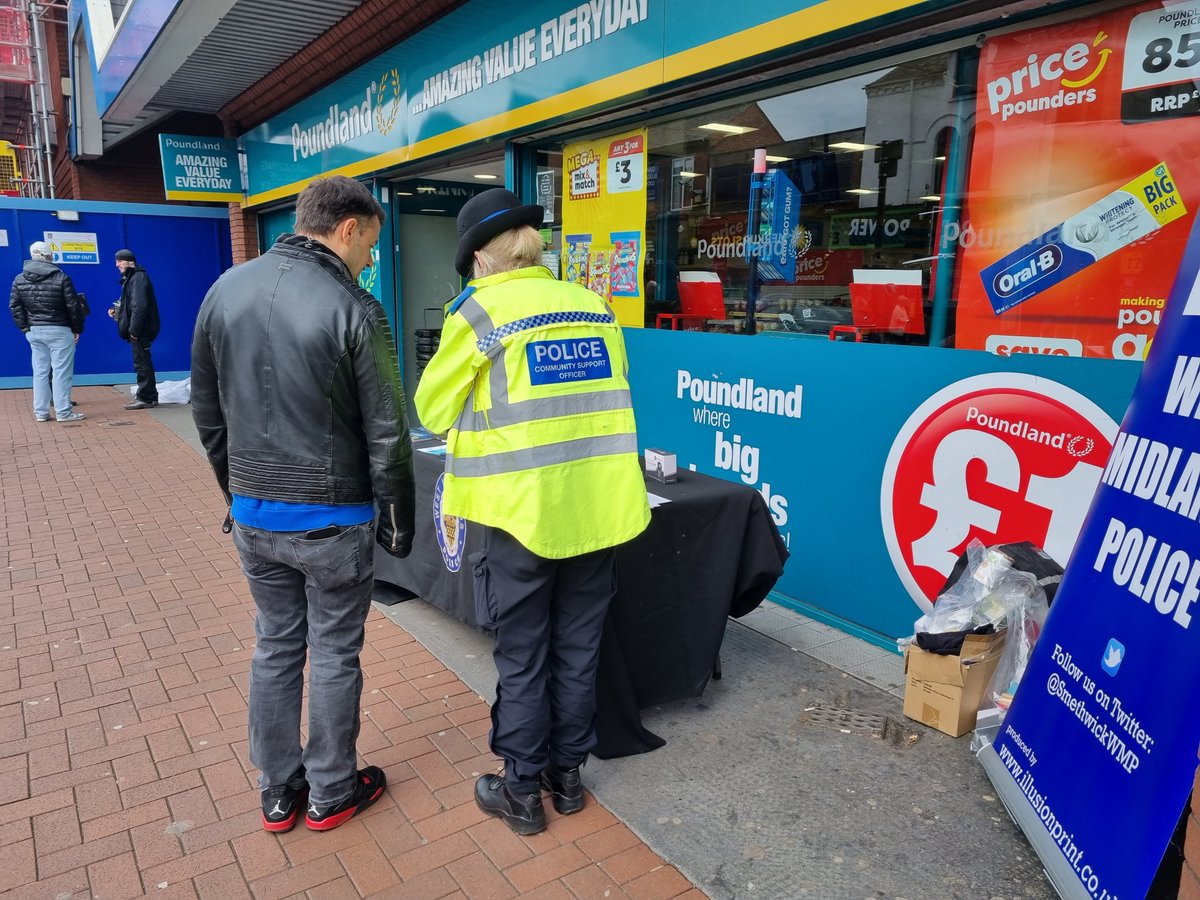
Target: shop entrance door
(427, 282)
(425, 211)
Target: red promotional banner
(1082, 185)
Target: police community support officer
(530, 383)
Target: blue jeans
(53, 351)
(312, 598)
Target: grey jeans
(312, 598)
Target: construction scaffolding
(26, 156)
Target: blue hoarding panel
(1098, 741)
(182, 251)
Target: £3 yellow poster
(604, 220)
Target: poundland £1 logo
(378, 111)
(1002, 457)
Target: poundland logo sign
(200, 168)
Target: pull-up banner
(1098, 752)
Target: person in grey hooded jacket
(45, 305)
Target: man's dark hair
(329, 201)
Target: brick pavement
(126, 631)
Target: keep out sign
(1003, 457)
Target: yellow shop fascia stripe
(790, 29)
(230, 197)
(798, 26)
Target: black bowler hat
(487, 215)
(125, 256)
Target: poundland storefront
(987, 203)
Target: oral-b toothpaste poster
(1082, 184)
(1126, 215)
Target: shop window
(924, 189)
(866, 158)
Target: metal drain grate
(119, 424)
(847, 719)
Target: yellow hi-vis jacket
(529, 384)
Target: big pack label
(1128, 214)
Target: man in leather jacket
(298, 401)
(136, 315)
(46, 307)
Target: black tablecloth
(713, 551)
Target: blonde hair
(516, 248)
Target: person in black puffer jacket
(45, 305)
(136, 315)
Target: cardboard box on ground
(944, 692)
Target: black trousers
(143, 366)
(548, 617)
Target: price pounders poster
(1082, 185)
(1097, 754)
(604, 220)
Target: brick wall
(243, 234)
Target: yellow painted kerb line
(205, 195)
(798, 26)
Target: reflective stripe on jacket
(529, 381)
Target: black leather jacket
(44, 295)
(295, 388)
(137, 310)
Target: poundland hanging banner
(1097, 753)
(604, 217)
(200, 168)
(779, 231)
(1080, 192)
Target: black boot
(565, 787)
(522, 813)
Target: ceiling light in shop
(852, 145)
(861, 191)
(404, 193)
(691, 174)
(484, 177)
(728, 129)
(778, 158)
(931, 197)
(939, 159)
(432, 210)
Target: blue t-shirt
(278, 515)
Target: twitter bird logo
(1114, 653)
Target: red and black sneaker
(368, 789)
(281, 805)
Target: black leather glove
(392, 532)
